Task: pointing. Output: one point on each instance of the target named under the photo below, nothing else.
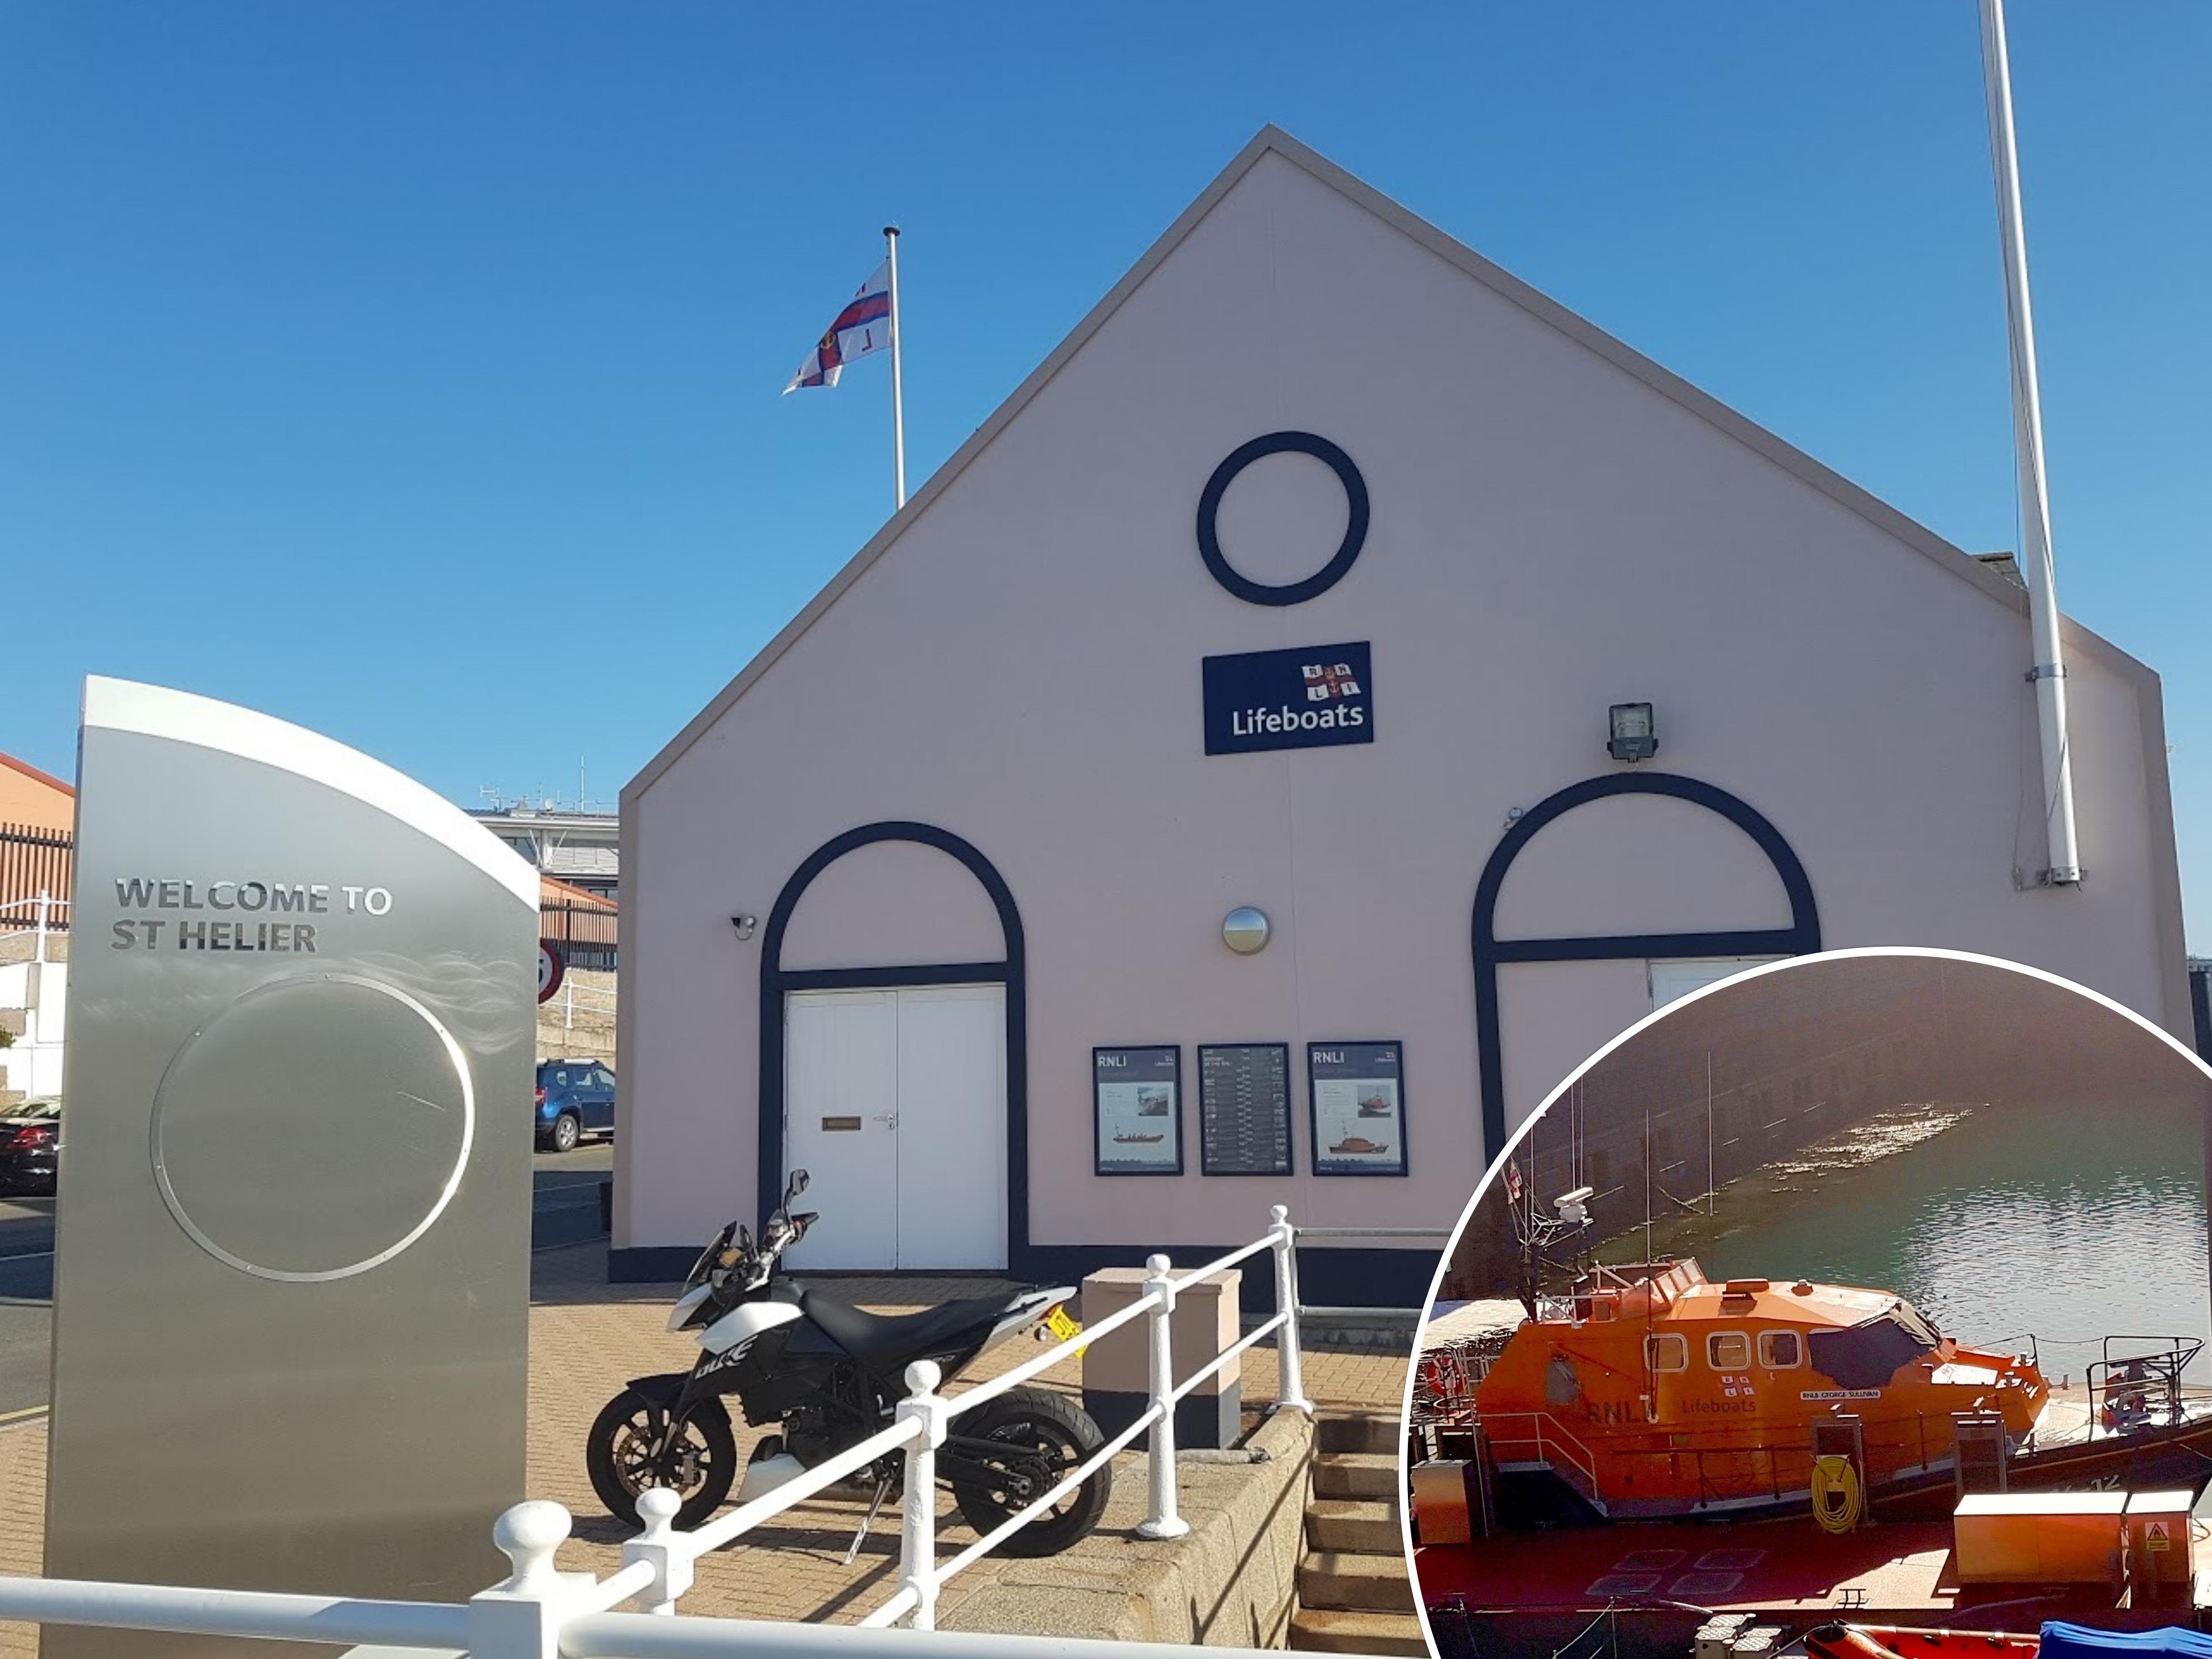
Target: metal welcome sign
(291, 1283)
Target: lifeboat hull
(2166, 1459)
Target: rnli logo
(1325, 681)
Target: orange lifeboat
(1651, 1392)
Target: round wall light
(1244, 930)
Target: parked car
(575, 1097)
(30, 1147)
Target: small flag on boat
(1513, 1183)
(863, 327)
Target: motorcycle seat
(880, 1339)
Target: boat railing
(1761, 1465)
(2133, 1389)
(1511, 1433)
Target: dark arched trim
(1800, 938)
(775, 980)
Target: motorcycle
(826, 1376)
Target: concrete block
(1117, 1367)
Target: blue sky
(410, 370)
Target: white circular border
(446, 1196)
(1513, 1142)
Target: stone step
(1329, 1630)
(1357, 1431)
(1366, 1526)
(1361, 1583)
(1355, 1474)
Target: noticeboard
(1136, 1110)
(1356, 1096)
(1244, 1107)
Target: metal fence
(585, 931)
(34, 860)
(538, 1613)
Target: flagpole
(898, 390)
(2048, 670)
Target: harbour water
(2069, 1223)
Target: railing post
(1161, 1520)
(1290, 1375)
(520, 1619)
(925, 1407)
(45, 904)
(662, 1546)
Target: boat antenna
(1711, 1201)
(1647, 1183)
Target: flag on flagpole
(863, 327)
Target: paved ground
(587, 1337)
(564, 1210)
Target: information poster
(1356, 1091)
(1136, 1110)
(1244, 1107)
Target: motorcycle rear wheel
(1038, 1421)
(699, 1465)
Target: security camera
(744, 925)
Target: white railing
(593, 1001)
(48, 915)
(540, 1613)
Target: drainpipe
(2047, 672)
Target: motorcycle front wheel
(698, 1464)
(1019, 1447)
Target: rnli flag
(863, 327)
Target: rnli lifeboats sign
(1312, 697)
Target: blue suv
(575, 1097)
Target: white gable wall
(1550, 534)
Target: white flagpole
(2048, 670)
(898, 390)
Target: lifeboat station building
(1337, 691)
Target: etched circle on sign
(314, 1128)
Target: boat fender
(1844, 1642)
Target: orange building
(28, 796)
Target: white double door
(894, 1104)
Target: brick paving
(588, 1338)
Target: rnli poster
(1358, 1098)
(1136, 1110)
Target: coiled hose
(1837, 1498)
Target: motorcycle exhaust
(764, 1474)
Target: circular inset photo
(1859, 1295)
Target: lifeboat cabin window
(1666, 1352)
(1780, 1351)
(1728, 1350)
(1867, 1355)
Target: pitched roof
(36, 775)
(1273, 140)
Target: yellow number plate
(1062, 1327)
